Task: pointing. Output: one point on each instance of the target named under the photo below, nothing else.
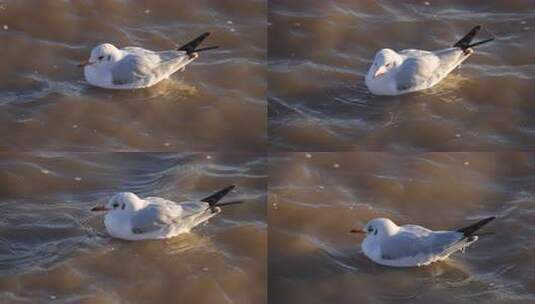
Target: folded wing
(131, 69)
(408, 244)
(141, 65)
(416, 71)
(155, 217)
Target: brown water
(54, 250)
(45, 104)
(316, 198)
(208, 128)
(320, 51)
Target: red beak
(84, 63)
(380, 71)
(357, 231)
(99, 208)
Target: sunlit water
(45, 103)
(53, 248)
(320, 52)
(316, 198)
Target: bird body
(411, 245)
(157, 219)
(134, 67)
(130, 217)
(137, 68)
(417, 70)
(411, 70)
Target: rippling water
(320, 51)
(45, 104)
(53, 249)
(308, 59)
(316, 198)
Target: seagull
(411, 245)
(134, 67)
(132, 218)
(411, 70)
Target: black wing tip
(229, 203)
(481, 42)
(191, 46)
(474, 31)
(228, 188)
(207, 48)
(471, 229)
(216, 197)
(465, 42)
(488, 219)
(203, 36)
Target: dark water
(320, 52)
(316, 198)
(45, 103)
(53, 249)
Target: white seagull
(134, 67)
(130, 217)
(412, 70)
(410, 245)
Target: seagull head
(377, 228)
(123, 201)
(385, 60)
(102, 55)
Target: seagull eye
(100, 57)
(388, 64)
(370, 229)
(115, 205)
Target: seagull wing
(450, 58)
(131, 69)
(155, 217)
(171, 55)
(140, 65)
(154, 200)
(194, 207)
(181, 210)
(414, 241)
(414, 53)
(415, 71)
(172, 61)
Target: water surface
(316, 198)
(53, 249)
(320, 52)
(45, 104)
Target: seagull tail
(213, 200)
(464, 43)
(191, 47)
(470, 230)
